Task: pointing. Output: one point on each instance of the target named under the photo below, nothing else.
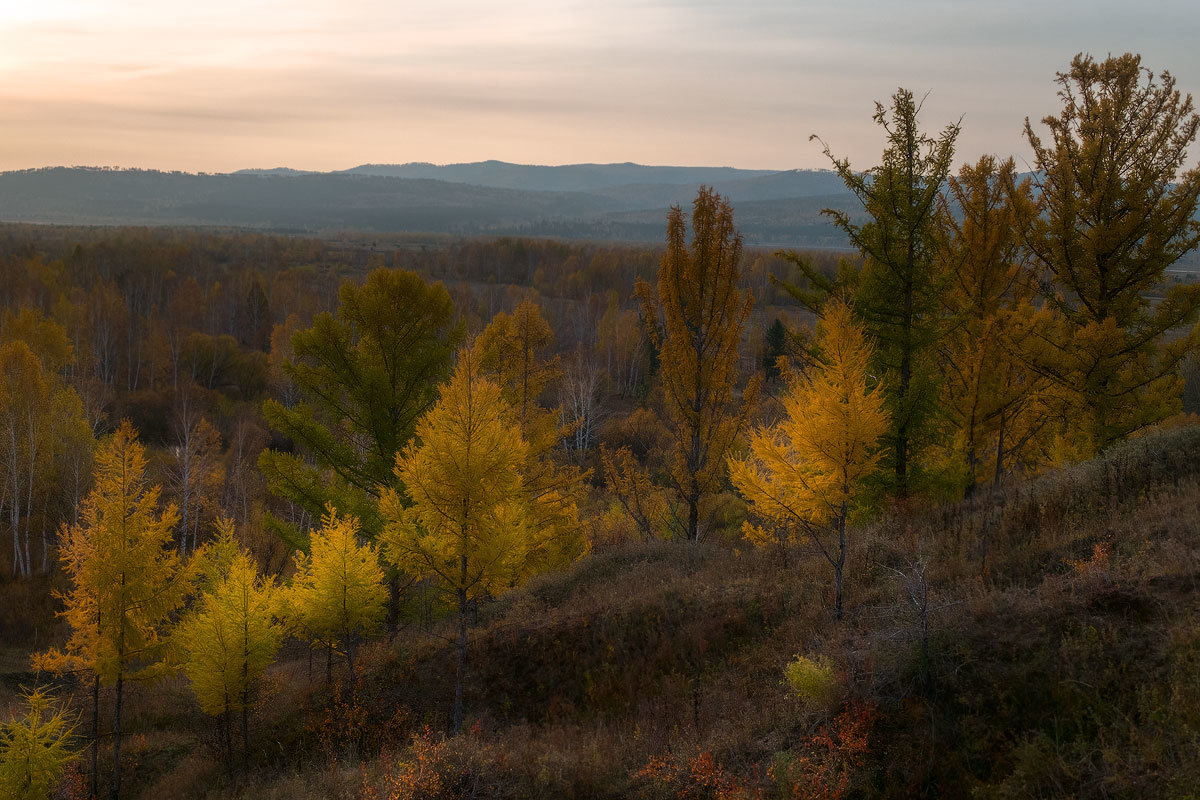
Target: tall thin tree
(695, 316)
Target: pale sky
(218, 85)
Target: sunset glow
(317, 85)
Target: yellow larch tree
(805, 472)
(992, 402)
(466, 527)
(702, 313)
(337, 594)
(1117, 207)
(646, 505)
(231, 635)
(127, 580)
(511, 353)
(35, 748)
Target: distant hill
(275, 171)
(626, 202)
(566, 178)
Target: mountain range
(625, 202)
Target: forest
(392, 515)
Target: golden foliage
(804, 474)
(811, 680)
(337, 593)
(231, 635)
(509, 352)
(807, 468)
(643, 502)
(127, 580)
(43, 435)
(35, 748)
(701, 313)
(994, 404)
(467, 526)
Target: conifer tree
(231, 635)
(511, 353)
(1115, 213)
(702, 313)
(896, 292)
(992, 402)
(127, 581)
(364, 376)
(774, 346)
(805, 473)
(35, 748)
(467, 527)
(337, 593)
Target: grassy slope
(1053, 669)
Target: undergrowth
(1041, 639)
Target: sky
(219, 85)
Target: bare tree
(579, 401)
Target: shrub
(812, 681)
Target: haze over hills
(626, 202)
(564, 178)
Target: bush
(812, 681)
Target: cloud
(223, 84)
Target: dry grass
(1062, 657)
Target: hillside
(621, 202)
(1061, 660)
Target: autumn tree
(184, 316)
(127, 581)
(44, 337)
(1116, 212)
(805, 473)
(775, 345)
(35, 748)
(645, 503)
(579, 396)
(43, 434)
(364, 376)
(244, 485)
(512, 353)
(989, 398)
(104, 331)
(695, 317)
(24, 439)
(254, 317)
(337, 594)
(196, 473)
(467, 526)
(620, 346)
(896, 291)
(280, 355)
(231, 635)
